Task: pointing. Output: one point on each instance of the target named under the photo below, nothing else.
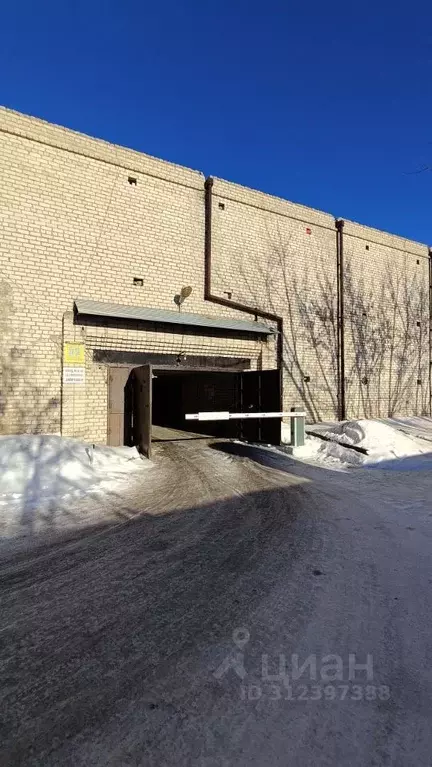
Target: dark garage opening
(149, 404)
(176, 393)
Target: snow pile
(382, 445)
(381, 441)
(36, 469)
(416, 426)
(331, 453)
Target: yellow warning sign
(74, 354)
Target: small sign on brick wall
(73, 375)
(74, 353)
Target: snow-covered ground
(393, 443)
(49, 483)
(43, 476)
(114, 647)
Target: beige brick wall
(386, 323)
(72, 226)
(281, 257)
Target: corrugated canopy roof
(164, 316)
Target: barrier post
(297, 429)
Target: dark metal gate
(260, 392)
(141, 395)
(251, 391)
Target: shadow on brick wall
(386, 332)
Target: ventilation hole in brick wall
(132, 181)
(418, 262)
(306, 379)
(364, 314)
(367, 247)
(418, 324)
(365, 380)
(419, 381)
(222, 205)
(138, 281)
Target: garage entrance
(155, 401)
(178, 392)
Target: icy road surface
(151, 642)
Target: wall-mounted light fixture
(180, 297)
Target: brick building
(97, 243)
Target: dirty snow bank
(384, 443)
(381, 440)
(35, 469)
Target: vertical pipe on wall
(339, 223)
(208, 295)
(208, 199)
(61, 374)
(430, 332)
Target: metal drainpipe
(430, 331)
(61, 373)
(208, 296)
(339, 223)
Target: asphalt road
(173, 637)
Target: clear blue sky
(328, 104)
